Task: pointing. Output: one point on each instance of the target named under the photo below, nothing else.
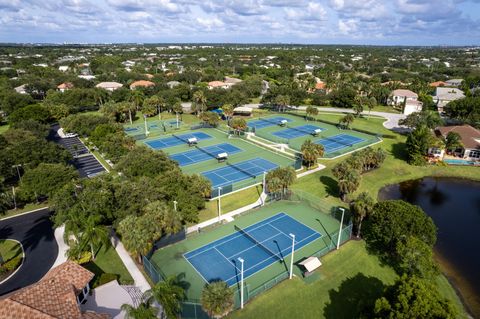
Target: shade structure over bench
(311, 263)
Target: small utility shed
(242, 110)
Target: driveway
(35, 232)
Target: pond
(454, 205)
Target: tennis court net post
(258, 243)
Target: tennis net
(182, 138)
(241, 170)
(308, 132)
(337, 141)
(258, 243)
(204, 150)
(276, 122)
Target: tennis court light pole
(219, 204)
(241, 282)
(340, 230)
(146, 127)
(175, 205)
(293, 250)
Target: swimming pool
(458, 162)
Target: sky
(371, 22)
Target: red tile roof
(320, 85)
(470, 136)
(438, 83)
(141, 83)
(66, 85)
(54, 296)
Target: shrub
(11, 265)
(105, 278)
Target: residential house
(141, 83)
(64, 86)
(63, 68)
(454, 82)
(87, 77)
(470, 138)
(232, 81)
(173, 84)
(438, 83)
(58, 295)
(109, 86)
(149, 76)
(21, 89)
(406, 100)
(445, 95)
(218, 84)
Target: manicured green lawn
(230, 203)
(108, 261)
(3, 128)
(349, 279)
(9, 249)
(26, 208)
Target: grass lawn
(9, 249)
(4, 128)
(108, 261)
(230, 203)
(26, 208)
(349, 279)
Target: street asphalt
(35, 232)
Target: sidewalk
(228, 217)
(62, 246)
(132, 268)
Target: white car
(71, 135)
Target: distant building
(470, 138)
(445, 95)
(58, 295)
(232, 81)
(438, 83)
(173, 84)
(109, 86)
(218, 84)
(149, 76)
(454, 82)
(141, 83)
(21, 89)
(87, 77)
(406, 100)
(63, 68)
(65, 86)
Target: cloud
(312, 12)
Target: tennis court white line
(228, 260)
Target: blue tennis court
(298, 131)
(175, 140)
(338, 142)
(204, 153)
(237, 172)
(266, 122)
(259, 245)
(130, 129)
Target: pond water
(454, 205)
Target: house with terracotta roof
(65, 86)
(438, 83)
(58, 295)
(109, 86)
(141, 83)
(218, 84)
(406, 100)
(469, 137)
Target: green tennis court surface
(259, 245)
(336, 141)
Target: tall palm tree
(361, 208)
(199, 102)
(217, 299)
(136, 97)
(93, 233)
(346, 121)
(311, 111)
(169, 293)
(150, 105)
(311, 152)
(144, 310)
(127, 107)
(348, 183)
(228, 111)
(282, 101)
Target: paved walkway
(228, 216)
(132, 268)
(62, 246)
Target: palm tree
(282, 101)
(199, 102)
(217, 299)
(453, 141)
(361, 208)
(228, 111)
(177, 107)
(93, 234)
(144, 310)
(348, 183)
(346, 121)
(136, 97)
(311, 111)
(311, 152)
(127, 107)
(169, 220)
(150, 105)
(238, 125)
(169, 293)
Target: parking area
(88, 166)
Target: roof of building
(403, 92)
(54, 296)
(454, 81)
(65, 85)
(216, 83)
(438, 83)
(149, 76)
(449, 94)
(320, 85)
(469, 135)
(109, 85)
(141, 83)
(232, 80)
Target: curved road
(35, 232)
